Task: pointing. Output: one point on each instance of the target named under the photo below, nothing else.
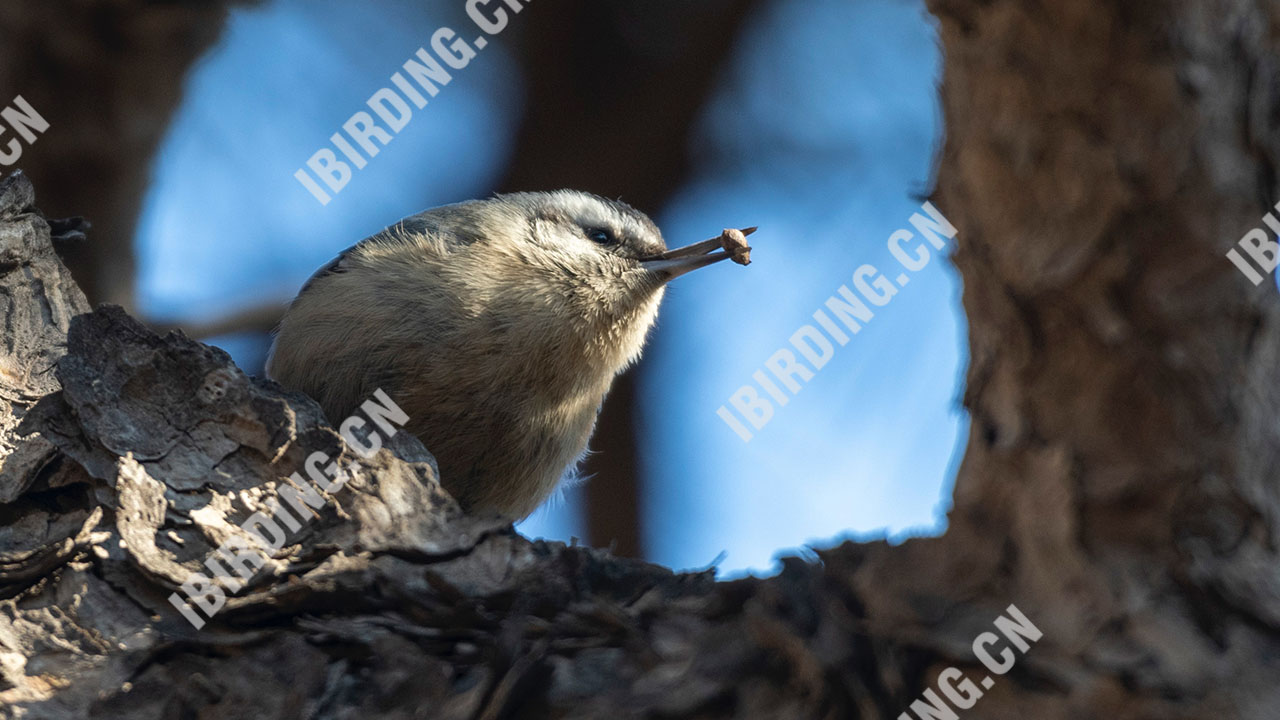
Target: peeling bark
(1118, 485)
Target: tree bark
(1117, 488)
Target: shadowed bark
(1118, 485)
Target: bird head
(596, 236)
(597, 265)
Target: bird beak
(674, 263)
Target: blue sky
(822, 132)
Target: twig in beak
(674, 263)
(734, 242)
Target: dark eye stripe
(600, 235)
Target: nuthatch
(497, 325)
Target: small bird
(497, 325)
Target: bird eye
(600, 235)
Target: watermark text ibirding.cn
(423, 75)
(238, 559)
(852, 310)
(991, 650)
(26, 122)
(1264, 251)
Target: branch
(1118, 488)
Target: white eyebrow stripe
(588, 211)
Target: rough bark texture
(648, 69)
(1118, 486)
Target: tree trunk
(106, 75)
(1100, 160)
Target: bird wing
(332, 267)
(340, 263)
